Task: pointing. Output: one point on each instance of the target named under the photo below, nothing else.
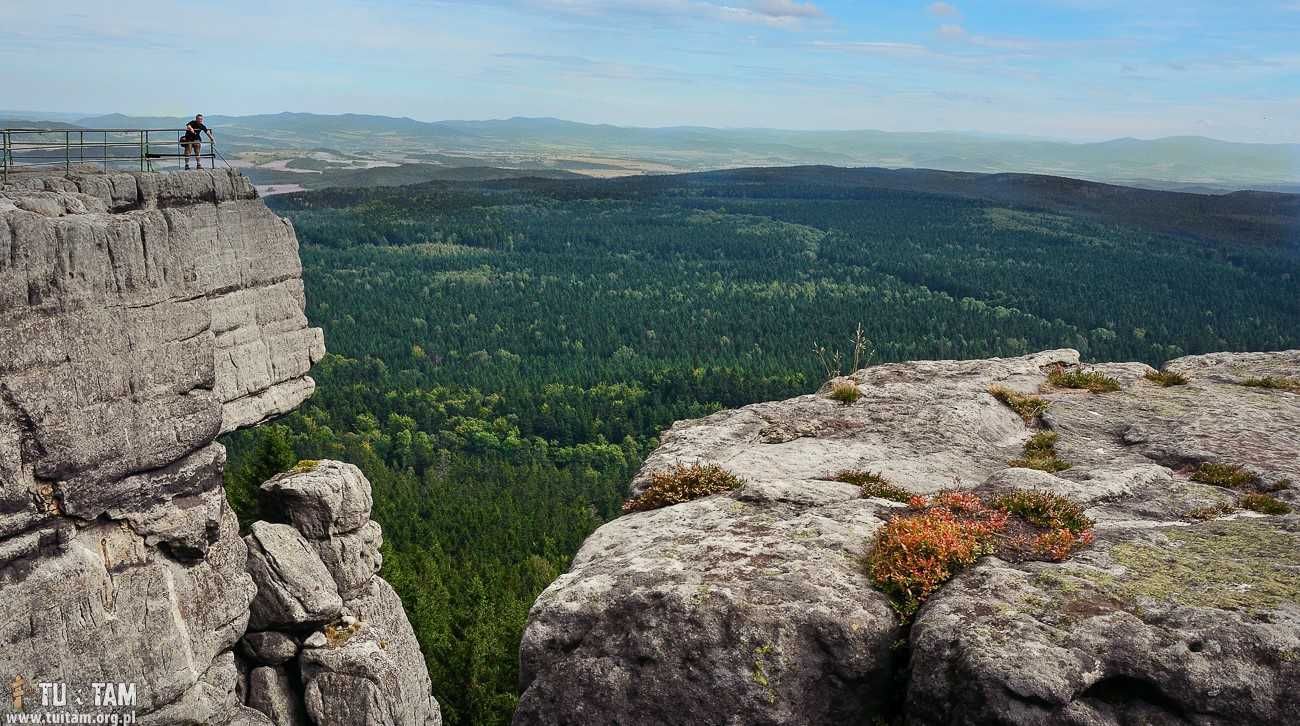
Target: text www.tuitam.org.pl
(52, 703)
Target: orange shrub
(1057, 544)
(916, 552)
(913, 556)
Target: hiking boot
(187, 166)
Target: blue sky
(1072, 69)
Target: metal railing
(96, 149)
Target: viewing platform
(88, 150)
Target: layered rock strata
(330, 643)
(141, 316)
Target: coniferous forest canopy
(504, 354)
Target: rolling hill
(1205, 164)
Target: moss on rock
(1233, 565)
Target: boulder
(269, 647)
(750, 608)
(321, 498)
(352, 680)
(273, 693)
(353, 559)
(380, 610)
(753, 606)
(1194, 624)
(96, 603)
(293, 587)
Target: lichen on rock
(753, 606)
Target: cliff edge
(755, 606)
(141, 316)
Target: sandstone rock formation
(141, 316)
(360, 665)
(753, 607)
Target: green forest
(503, 354)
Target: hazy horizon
(74, 116)
(1066, 70)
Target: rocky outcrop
(141, 316)
(754, 607)
(358, 662)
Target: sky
(1061, 69)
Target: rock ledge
(753, 607)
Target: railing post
(105, 152)
(67, 152)
(4, 157)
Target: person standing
(191, 141)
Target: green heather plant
(873, 484)
(1166, 378)
(1229, 476)
(1042, 508)
(1040, 454)
(1264, 504)
(682, 483)
(845, 392)
(1092, 381)
(1029, 407)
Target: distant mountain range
(1183, 163)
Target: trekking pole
(219, 156)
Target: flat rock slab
(1195, 624)
(754, 607)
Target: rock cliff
(754, 607)
(141, 316)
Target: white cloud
(943, 10)
(880, 48)
(787, 14)
(951, 31)
(787, 9)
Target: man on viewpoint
(191, 141)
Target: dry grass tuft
(1040, 454)
(1078, 378)
(1029, 407)
(1167, 378)
(1274, 383)
(873, 485)
(845, 392)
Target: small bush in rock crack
(682, 483)
(1167, 378)
(1089, 380)
(916, 552)
(1029, 407)
(1040, 454)
(873, 485)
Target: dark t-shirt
(193, 128)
